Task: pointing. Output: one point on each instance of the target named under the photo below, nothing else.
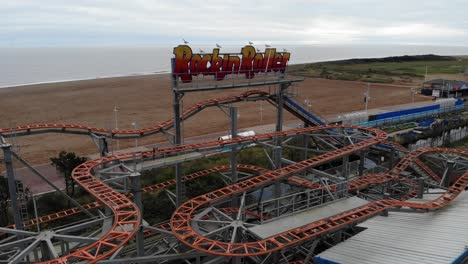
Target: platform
(403, 237)
(299, 219)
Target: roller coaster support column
(180, 190)
(305, 143)
(445, 182)
(136, 189)
(391, 161)
(362, 159)
(277, 152)
(12, 185)
(345, 163)
(420, 188)
(234, 175)
(101, 144)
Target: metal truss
(182, 218)
(206, 224)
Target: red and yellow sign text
(248, 62)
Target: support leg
(12, 186)
(136, 189)
(180, 190)
(234, 174)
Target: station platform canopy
(285, 223)
(406, 237)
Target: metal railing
(299, 201)
(398, 119)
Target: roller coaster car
(243, 134)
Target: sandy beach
(146, 100)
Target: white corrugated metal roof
(405, 237)
(285, 223)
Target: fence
(398, 119)
(451, 136)
(299, 201)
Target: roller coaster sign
(187, 64)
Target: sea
(22, 66)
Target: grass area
(385, 70)
(399, 127)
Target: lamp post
(261, 112)
(134, 125)
(367, 96)
(116, 122)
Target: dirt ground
(458, 77)
(146, 100)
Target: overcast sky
(152, 22)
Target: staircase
(421, 170)
(298, 111)
(22, 201)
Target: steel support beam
(78, 239)
(420, 188)
(391, 162)
(345, 163)
(158, 230)
(277, 152)
(153, 259)
(18, 258)
(17, 243)
(136, 190)
(311, 251)
(180, 190)
(305, 144)
(7, 156)
(101, 143)
(362, 159)
(234, 175)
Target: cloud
(105, 22)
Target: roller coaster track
(127, 217)
(417, 161)
(151, 188)
(131, 133)
(182, 217)
(355, 184)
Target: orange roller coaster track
(151, 188)
(127, 217)
(131, 133)
(182, 217)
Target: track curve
(151, 188)
(127, 216)
(129, 133)
(181, 219)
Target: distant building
(445, 88)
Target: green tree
(65, 163)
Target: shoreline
(162, 72)
(86, 79)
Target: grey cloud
(305, 21)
